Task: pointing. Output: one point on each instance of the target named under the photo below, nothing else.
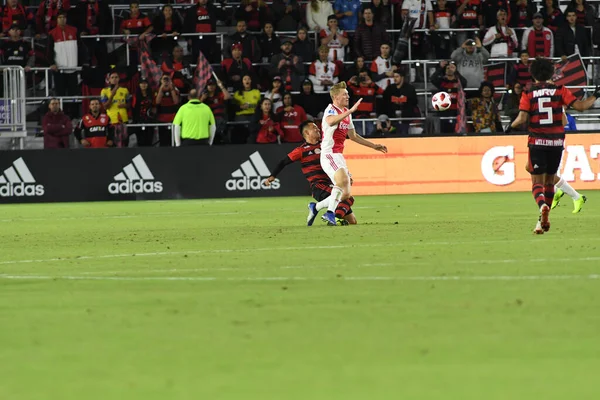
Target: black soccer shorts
(544, 160)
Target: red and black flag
(148, 67)
(461, 115)
(571, 73)
(496, 75)
(203, 74)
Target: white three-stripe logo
(135, 171)
(17, 173)
(255, 166)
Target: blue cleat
(312, 213)
(329, 217)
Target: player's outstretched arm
(361, 140)
(333, 120)
(280, 166)
(521, 119)
(582, 105)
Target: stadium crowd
(270, 72)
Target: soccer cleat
(559, 193)
(538, 229)
(312, 213)
(578, 204)
(329, 217)
(544, 217)
(342, 221)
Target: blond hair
(336, 89)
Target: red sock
(549, 194)
(538, 194)
(343, 208)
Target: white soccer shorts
(331, 162)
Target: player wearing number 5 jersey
(336, 125)
(543, 104)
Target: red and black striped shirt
(309, 156)
(523, 74)
(544, 102)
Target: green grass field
(430, 297)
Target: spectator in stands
(115, 100)
(323, 73)
(369, 37)
(362, 86)
(334, 38)
(586, 13)
(246, 99)
(538, 40)
(302, 46)
(264, 127)
(356, 68)
(250, 46)
(16, 51)
(382, 69)
(288, 65)
(63, 49)
(286, 14)
(448, 79)
(47, 15)
(57, 126)
(512, 104)
(14, 14)
(93, 17)
(136, 24)
(167, 27)
(217, 101)
(400, 101)
(521, 72)
(469, 15)
(522, 15)
(290, 116)
(502, 38)
(275, 93)
(444, 18)
(470, 59)
(143, 113)
(202, 18)
(418, 14)
(572, 38)
(179, 70)
(254, 12)
(486, 118)
(382, 13)
(235, 67)
(490, 11)
(311, 102)
(317, 12)
(167, 104)
(269, 43)
(553, 16)
(347, 12)
(94, 129)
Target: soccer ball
(441, 101)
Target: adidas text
(129, 187)
(250, 184)
(21, 189)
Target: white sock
(334, 198)
(323, 203)
(568, 189)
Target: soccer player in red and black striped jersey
(309, 155)
(543, 105)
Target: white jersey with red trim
(335, 136)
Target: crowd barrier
(412, 166)
(464, 165)
(33, 176)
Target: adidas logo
(135, 178)
(250, 175)
(18, 181)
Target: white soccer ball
(441, 101)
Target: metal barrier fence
(12, 103)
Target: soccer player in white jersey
(336, 125)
